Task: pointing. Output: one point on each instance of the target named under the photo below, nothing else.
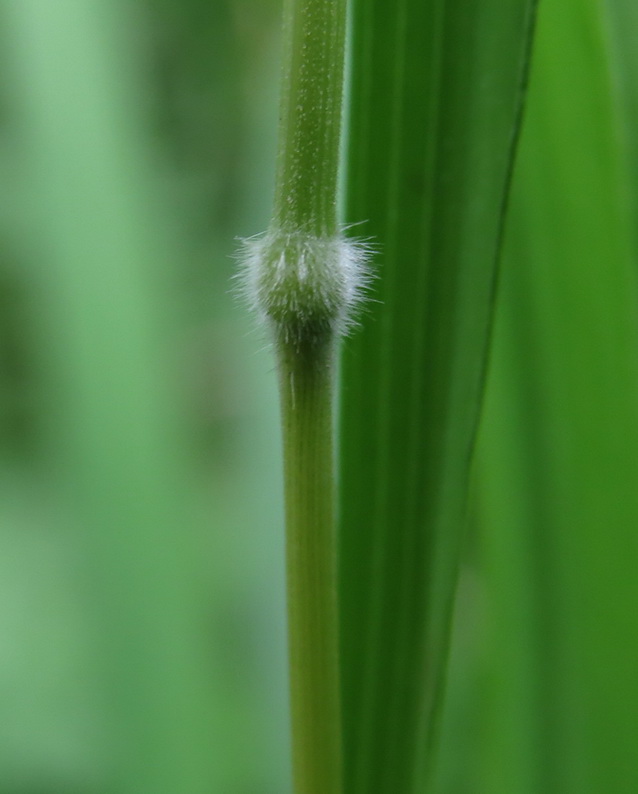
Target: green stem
(310, 116)
(302, 287)
(306, 396)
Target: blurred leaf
(559, 460)
(436, 97)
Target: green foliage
(435, 105)
(559, 461)
(142, 621)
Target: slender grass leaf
(435, 103)
(559, 456)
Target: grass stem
(303, 277)
(306, 396)
(310, 116)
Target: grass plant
(305, 279)
(141, 546)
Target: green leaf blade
(565, 351)
(436, 97)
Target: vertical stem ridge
(310, 116)
(306, 392)
(303, 276)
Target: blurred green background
(142, 628)
(139, 439)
